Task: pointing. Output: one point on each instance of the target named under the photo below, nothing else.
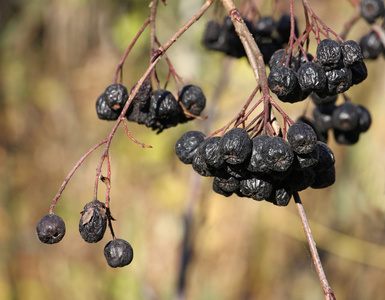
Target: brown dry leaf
(88, 213)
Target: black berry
(187, 144)
(116, 96)
(93, 221)
(235, 146)
(50, 229)
(328, 53)
(302, 138)
(371, 9)
(118, 253)
(193, 99)
(104, 111)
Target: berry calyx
(50, 229)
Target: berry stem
(69, 176)
(120, 65)
(328, 292)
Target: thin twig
(328, 292)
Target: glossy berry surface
(302, 138)
(187, 144)
(50, 229)
(193, 99)
(118, 253)
(93, 221)
(103, 111)
(235, 146)
(116, 96)
(328, 53)
(282, 81)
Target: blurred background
(56, 58)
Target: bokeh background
(56, 58)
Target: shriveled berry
(193, 99)
(278, 154)
(118, 253)
(295, 95)
(372, 9)
(211, 36)
(200, 166)
(187, 144)
(104, 111)
(116, 96)
(256, 188)
(351, 53)
(257, 162)
(50, 229)
(300, 180)
(280, 196)
(311, 77)
(345, 117)
(282, 81)
(93, 221)
(279, 58)
(328, 53)
(235, 146)
(142, 97)
(338, 80)
(164, 108)
(302, 138)
(209, 150)
(228, 183)
(218, 187)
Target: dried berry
(256, 188)
(187, 144)
(118, 253)
(235, 146)
(116, 96)
(371, 9)
(328, 53)
(318, 100)
(322, 115)
(200, 166)
(311, 77)
(279, 58)
(359, 73)
(280, 196)
(338, 80)
(104, 111)
(284, 27)
(209, 150)
(50, 229)
(282, 81)
(351, 53)
(346, 137)
(305, 161)
(227, 183)
(278, 154)
(93, 221)
(302, 138)
(257, 162)
(193, 99)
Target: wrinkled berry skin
(50, 229)
(187, 144)
(116, 96)
(118, 253)
(302, 138)
(193, 99)
(104, 111)
(311, 77)
(278, 154)
(371, 46)
(328, 53)
(282, 81)
(235, 146)
(351, 53)
(93, 222)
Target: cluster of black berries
(370, 43)
(337, 67)
(261, 168)
(156, 109)
(269, 34)
(92, 226)
(347, 120)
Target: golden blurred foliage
(56, 58)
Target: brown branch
(328, 292)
